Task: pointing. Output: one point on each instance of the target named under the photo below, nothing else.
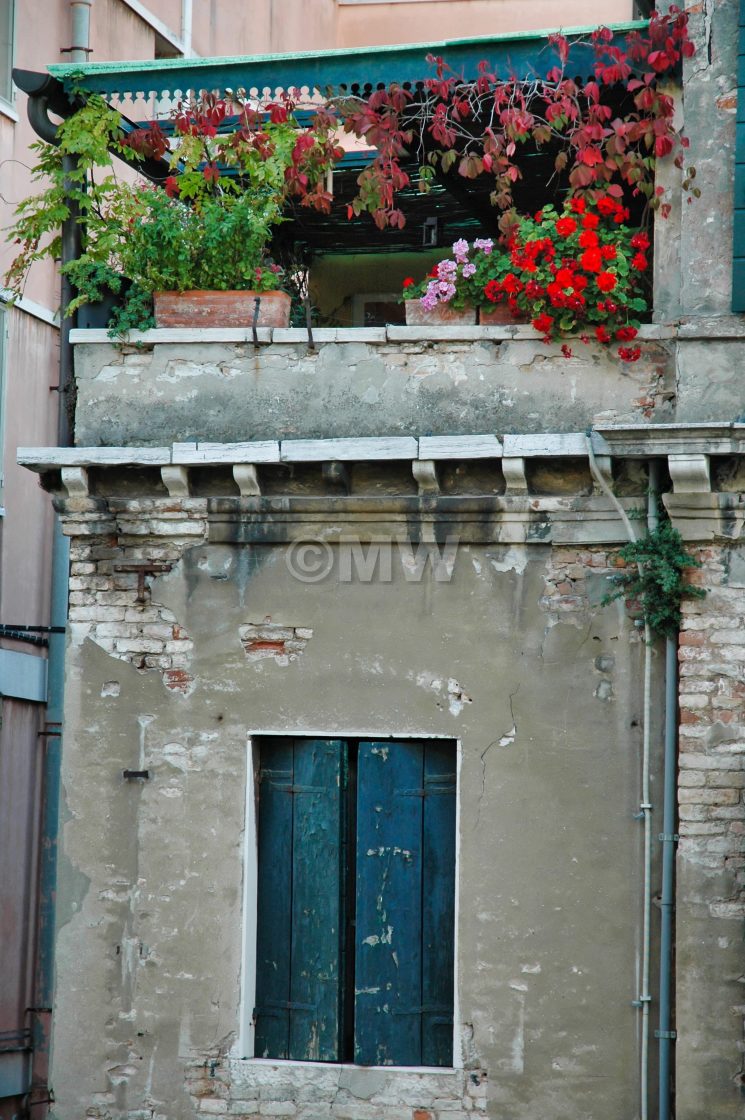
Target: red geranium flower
(626, 334)
(565, 227)
(511, 284)
(565, 278)
(606, 281)
(639, 262)
(543, 323)
(601, 334)
(408, 281)
(590, 221)
(577, 205)
(588, 239)
(555, 294)
(608, 252)
(493, 291)
(640, 241)
(628, 354)
(591, 260)
(566, 350)
(606, 206)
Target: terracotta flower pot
(221, 309)
(441, 315)
(498, 315)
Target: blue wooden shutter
(300, 912)
(273, 934)
(405, 904)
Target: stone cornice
(253, 499)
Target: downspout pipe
(80, 12)
(666, 1034)
(41, 100)
(644, 999)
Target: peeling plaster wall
(512, 657)
(229, 392)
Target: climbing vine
(486, 127)
(656, 577)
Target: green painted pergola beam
(520, 55)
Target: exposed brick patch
(115, 608)
(728, 101)
(711, 781)
(265, 639)
(565, 593)
(712, 720)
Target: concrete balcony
(168, 386)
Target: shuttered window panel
(300, 912)
(356, 902)
(405, 904)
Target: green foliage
(656, 577)
(134, 314)
(209, 228)
(78, 183)
(93, 280)
(218, 243)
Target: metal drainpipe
(665, 1033)
(52, 735)
(645, 809)
(80, 12)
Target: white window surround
(245, 1043)
(30, 307)
(7, 110)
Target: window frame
(7, 95)
(245, 1045)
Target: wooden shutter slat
(317, 915)
(274, 898)
(388, 942)
(438, 904)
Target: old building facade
(305, 571)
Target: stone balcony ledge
(214, 385)
(708, 327)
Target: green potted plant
(229, 170)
